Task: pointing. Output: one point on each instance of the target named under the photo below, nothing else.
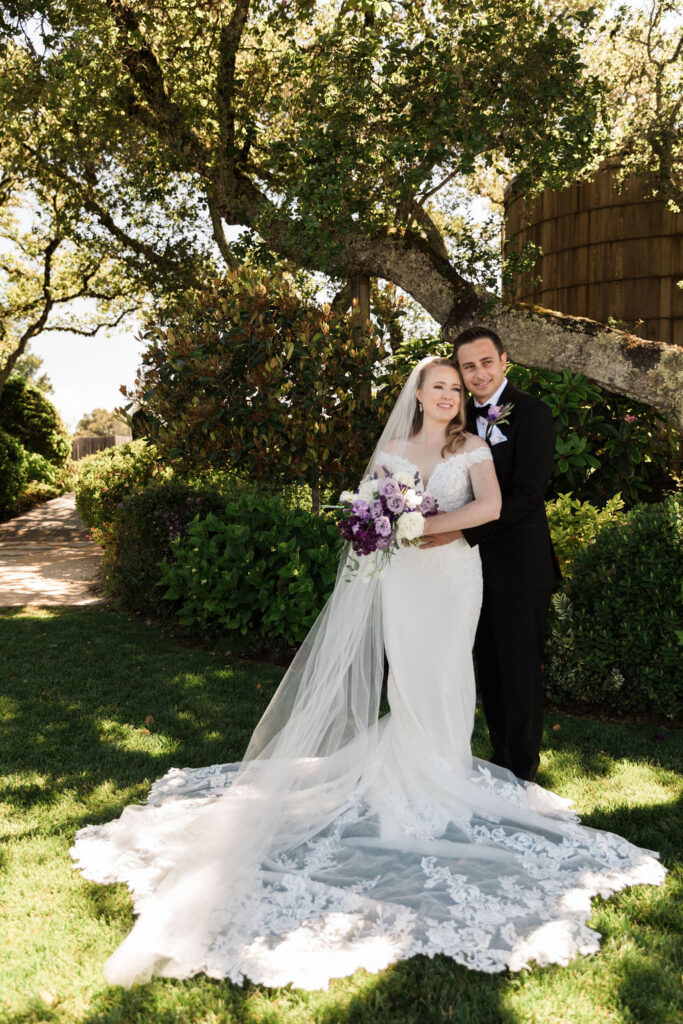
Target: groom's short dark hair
(474, 334)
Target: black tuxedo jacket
(516, 550)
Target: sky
(86, 373)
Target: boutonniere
(497, 416)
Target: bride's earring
(419, 405)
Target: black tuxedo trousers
(520, 571)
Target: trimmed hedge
(256, 570)
(614, 635)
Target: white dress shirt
(496, 435)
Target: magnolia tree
(332, 129)
(249, 374)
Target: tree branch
(37, 326)
(162, 113)
(219, 233)
(98, 327)
(230, 37)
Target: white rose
(411, 497)
(410, 526)
(346, 496)
(407, 479)
(368, 490)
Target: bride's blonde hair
(455, 431)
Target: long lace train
(397, 842)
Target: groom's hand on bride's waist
(435, 540)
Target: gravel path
(45, 558)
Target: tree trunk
(360, 292)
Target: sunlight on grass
(79, 685)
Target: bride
(345, 840)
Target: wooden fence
(82, 446)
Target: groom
(519, 566)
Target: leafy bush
(259, 571)
(35, 493)
(27, 415)
(249, 375)
(139, 536)
(13, 472)
(107, 477)
(614, 632)
(574, 523)
(606, 444)
(41, 471)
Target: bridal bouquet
(384, 513)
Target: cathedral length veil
(196, 860)
(301, 768)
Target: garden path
(46, 559)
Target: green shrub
(40, 470)
(107, 477)
(574, 523)
(258, 570)
(606, 444)
(139, 536)
(613, 638)
(35, 493)
(13, 472)
(32, 419)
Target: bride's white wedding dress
(418, 847)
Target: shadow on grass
(78, 689)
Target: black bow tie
(483, 411)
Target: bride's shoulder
(473, 443)
(475, 450)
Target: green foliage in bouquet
(248, 375)
(108, 476)
(258, 571)
(613, 639)
(13, 472)
(32, 419)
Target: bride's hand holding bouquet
(384, 513)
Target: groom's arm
(533, 465)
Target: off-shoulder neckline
(442, 462)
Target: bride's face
(440, 394)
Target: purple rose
(388, 487)
(376, 508)
(494, 413)
(360, 507)
(383, 526)
(395, 503)
(428, 504)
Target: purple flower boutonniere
(497, 416)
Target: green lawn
(77, 687)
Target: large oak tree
(328, 127)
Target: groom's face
(482, 367)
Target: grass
(77, 744)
